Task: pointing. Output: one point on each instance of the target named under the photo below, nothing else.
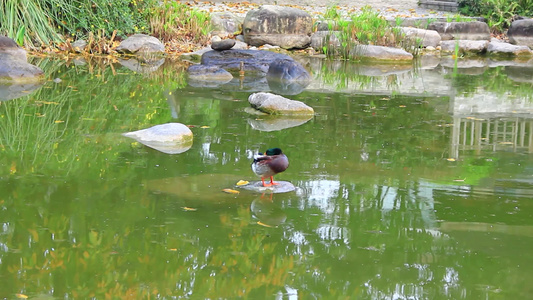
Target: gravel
(387, 8)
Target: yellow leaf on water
(242, 182)
(21, 296)
(59, 121)
(185, 208)
(402, 106)
(230, 191)
(450, 159)
(205, 126)
(263, 224)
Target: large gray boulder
(225, 23)
(8, 47)
(254, 61)
(261, 70)
(14, 67)
(380, 53)
(506, 49)
(330, 39)
(461, 30)
(464, 47)
(141, 44)
(282, 26)
(521, 32)
(427, 38)
(170, 138)
(278, 105)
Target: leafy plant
(172, 19)
(17, 15)
(367, 27)
(499, 13)
(19, 37)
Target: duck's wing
(261, 157)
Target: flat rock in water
(278, 105)
(253, 60)
(499, 48)
(170, 138)
(281, 187)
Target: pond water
(411, 183)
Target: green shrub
(366, 27)
(79, 17)
(44, 19)
(498, 13)
(172, 20)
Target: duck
(269, 164)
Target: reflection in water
(14, 91)
(379, 213)
(493, 134)
(267, 211)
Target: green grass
(27, 22)
(366, 27)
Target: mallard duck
(269, 164)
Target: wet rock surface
(281, 187)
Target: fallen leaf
(47, 102)
(450, 159)
(242, 182)
(263, 224)
(59, 121)
(21, 296)
(185, 208)
(205, 126)
(230, 191)
(13, 168)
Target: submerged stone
(281, 187)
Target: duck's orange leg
(265, 184)
(272, 181)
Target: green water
(399, 196)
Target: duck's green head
(273, 151)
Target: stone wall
(445, 5)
